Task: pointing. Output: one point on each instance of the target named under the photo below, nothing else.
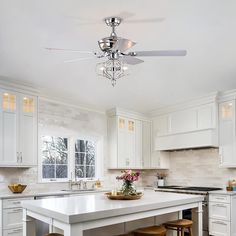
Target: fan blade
(69, 50)
(79, 59)
(147, 20)
(131, 60)
(123, 44)
(161, 53)
(125, 14)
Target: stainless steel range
(187, 214)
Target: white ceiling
(205, 28)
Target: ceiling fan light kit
(114, 49)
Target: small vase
(160, 182)
(128, 188)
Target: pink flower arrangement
(129, 175)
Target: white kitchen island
(76, 214)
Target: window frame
(71, 158)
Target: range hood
(206, 138)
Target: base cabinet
(222, 216)
(219, 227)
(13, 232)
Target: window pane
(90, 171)
(79, 172)
(90, 159)
(48, 158)
(80, 146)
(79, 158)
(55, 143)
(62, 158)
(55, 151)
(90, 147)
(48, 171)
(61, 171)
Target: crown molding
(117, 111)
(13, 85)
(227, 95)
(210, 98)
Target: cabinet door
(8, 128)
(138, 144)
(130, 142)
(227, 133)
(13, 232)
(28, 130)
(12, 218)
(219, 227)
(126, 142)
(122, 127)
(146, 144)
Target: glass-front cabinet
(18, 129)
(227, 134)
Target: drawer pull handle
(220, 198)
(15, 231)
(16, 202)
(219, 222)
(17, 210)
(219, 205)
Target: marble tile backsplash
(195, 168)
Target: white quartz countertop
(97, 206)
(224, 192)
(44, 193)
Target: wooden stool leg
(190, 231)
(182, 232)
(179, 231)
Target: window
(65, 158)
(85, 158)
(54, 157)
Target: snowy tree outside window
(58, 163)
(85, 158)
(54, 157)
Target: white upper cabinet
(18, 129)
(227, 138)
(129, 143)
(9, 118)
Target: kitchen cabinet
(227, 135)
(11, 216)
(186, 128)
(130, 143)
(222, 214)
(18, 129)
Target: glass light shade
(112, 69)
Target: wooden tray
(120, 196)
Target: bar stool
(53, 234)
(180, 226)
(152, 230)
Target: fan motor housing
(106, 44)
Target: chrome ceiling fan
(114, 49)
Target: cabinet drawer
(219, 227)
(219, 211)
(14, 202)
(219, 198)
(13, 232)
(12, 218)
